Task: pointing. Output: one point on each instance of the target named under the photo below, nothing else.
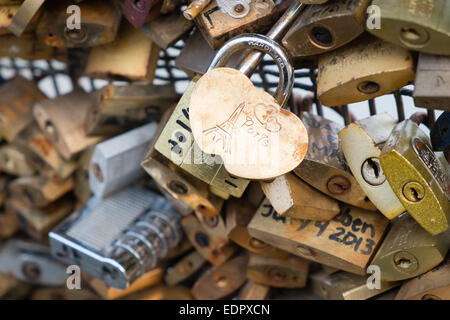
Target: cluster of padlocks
(226, 191)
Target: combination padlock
(416, 175)
(139, 227)
(419, 25)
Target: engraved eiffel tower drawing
(223, 132)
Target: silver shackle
(266, 45)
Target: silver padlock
(115, 162)
(31, 262)
(119, 238)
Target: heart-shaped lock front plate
(245, 126)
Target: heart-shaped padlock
(247, 127)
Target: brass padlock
(41, 153)
(347, 242)
(165, 30)
(184, 268)
(291, 197)
(290, 272)
(217, 26)
(346, 286)
(14, 161)
(239, 213)
(361, 143)
(162, 292)
(7, 12)
(363, 69)
(213, 251)
(99, 23)
(432, 81)
(118, 108)
(325, 167)
(408, 250)
(419, 179)
(28, 47)
(177, 144)
(419, 25)
(325, 27)
(433, 285)
(194, 8)
(253, 291)
(220, 282)
(62, 121)
(104, 291)
(131, 56)
(17, 98)
(39, 191)
(37, 222)
(178, 184)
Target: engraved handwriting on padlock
(347, 242)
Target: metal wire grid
(60, 80)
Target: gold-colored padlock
(291, 197)
(347, 242)
(62, 121)
(408, 250)
(419, 179)
(41, 153)
(291, 272)
(433, 285)
(204, 243)
(432, 81)
(361, 143)
(239, 213)
(14, 161)
(131, 56)
(17, 98)
(7, 12)
(39, 191)
(363, 69)
(346, 286)
(420, 25)
(162, 292)
(63, 294)
(325, 167)
(214, 227)
(325, 27)
(217, 26)
(220, 282)
(8, 224)
(184, 268)
(99, 22)
(176, 143)
(118, 108)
